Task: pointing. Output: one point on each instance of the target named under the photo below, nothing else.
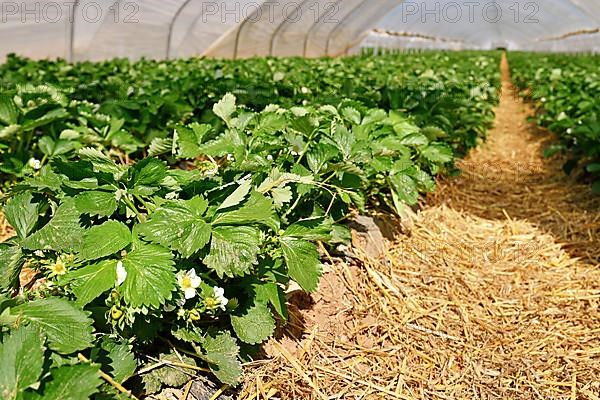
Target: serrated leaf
(89, 282)
(233, 250)
(62, 233)
(73, 382)
(21, 361)
(272, 293)
(281, 196)
(100, 161)
(302, 260)
(222, 356)
(255, 325)
(148, 172)
(225, 107)
(405, 188)
(21, 213)
(11, 262)
(179, 225)
(258, 209)
(9, 114)
(150, 276)
(189, 335)
(159, 146)
(352, 115)
(414, 139)
(67, 327)
(104, 240)
(238, 195)
(438, 153)
(122, 361)
(103, 204)
(312, 229)
(190, 138)
(168, 375)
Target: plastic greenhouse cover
(487, 24)
(103, 29)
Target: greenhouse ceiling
(160, 29)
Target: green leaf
(238, 195)
(168, 375)
(10, 131)
(302, 260)
(405, 188)
(103, 204)
(190, 138)
(179, 225)
(312, 229)
(150, 276)
(104, 240)
(122, 361)
(225, 107)
(272, 293)
(160, 146)
(73, 382)
(11, 262)
(222, 356)
(258, 209)
(9, 115)
(438, 153)
(89, 282)
(66, 326)
(148, 172)
(255, 325)
(352, 115)
(21, 361)
(21, 213)
(62, 233)
(593, 167)
(233, 250)
(100, 161)
(414, 139)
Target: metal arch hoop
(341, 23)
(172, 25)
(243, 25)
(283, 24)
(71, 51)
(356, 39)
(313, 27)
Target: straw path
(493, 294)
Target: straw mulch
(508, 174)
(493, 294)
(463, 308)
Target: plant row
(565, 90)
(150, 253)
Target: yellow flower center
(186, 282)
(59, 268)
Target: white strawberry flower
(121, 273)
(34, 163)
(569, 131)
(230, 157)
(189, 282)
(270, 157)
(220, 296)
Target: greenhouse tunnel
(103, 29)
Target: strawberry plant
(133, 253)
(565, 90)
